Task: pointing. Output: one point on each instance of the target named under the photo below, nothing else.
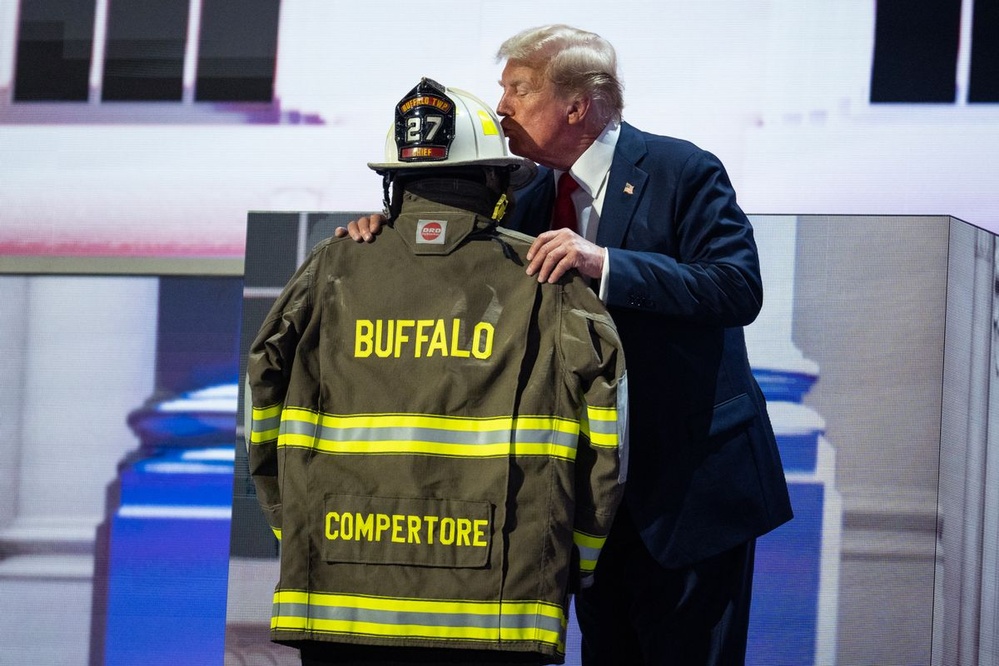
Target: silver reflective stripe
(464, 433)
(587, 554)
(270, 423)
(412, 434)
(604, 427)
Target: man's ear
(579, 107)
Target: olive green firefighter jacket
(437, 439)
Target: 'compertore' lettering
(454, 531)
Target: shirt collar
(592, 167)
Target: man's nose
(502, 109)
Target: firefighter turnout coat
(437, 439)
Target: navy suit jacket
(704, 471)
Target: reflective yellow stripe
(588, 540)
(429, 434)
(259, 436)
(535, 621)
(267, 412)
(603, 441)
(432, 421)
(601, 413)
(265, 424)
(415, 631)
(602, 426)
(488, 125)
(408, 605)
(589, 547)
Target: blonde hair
(575, 61)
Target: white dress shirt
(592, 171)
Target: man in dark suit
(673, 257)
(657, 228)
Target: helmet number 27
(414, 128)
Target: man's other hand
(555, 252)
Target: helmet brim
(523, 172)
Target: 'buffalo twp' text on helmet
(446, 127)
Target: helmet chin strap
(386, 187)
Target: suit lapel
(625, 188)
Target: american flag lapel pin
(629, 188)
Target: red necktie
(564, 215)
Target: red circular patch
(431, 231)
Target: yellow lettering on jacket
(421, 338)
(455, 531)
(431, 522)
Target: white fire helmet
(446, 127)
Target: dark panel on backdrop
(54, 45)
(984, 77)
(915, 51)
(237, 51)
(144, 57)
(271, 249)
(198, 332)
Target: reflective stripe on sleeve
(265, 424)
(602, 426)
(589, 549)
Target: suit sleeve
(595, 360)
(269, 368)
(690, 252)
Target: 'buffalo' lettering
(421, 338)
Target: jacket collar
(428, 227)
